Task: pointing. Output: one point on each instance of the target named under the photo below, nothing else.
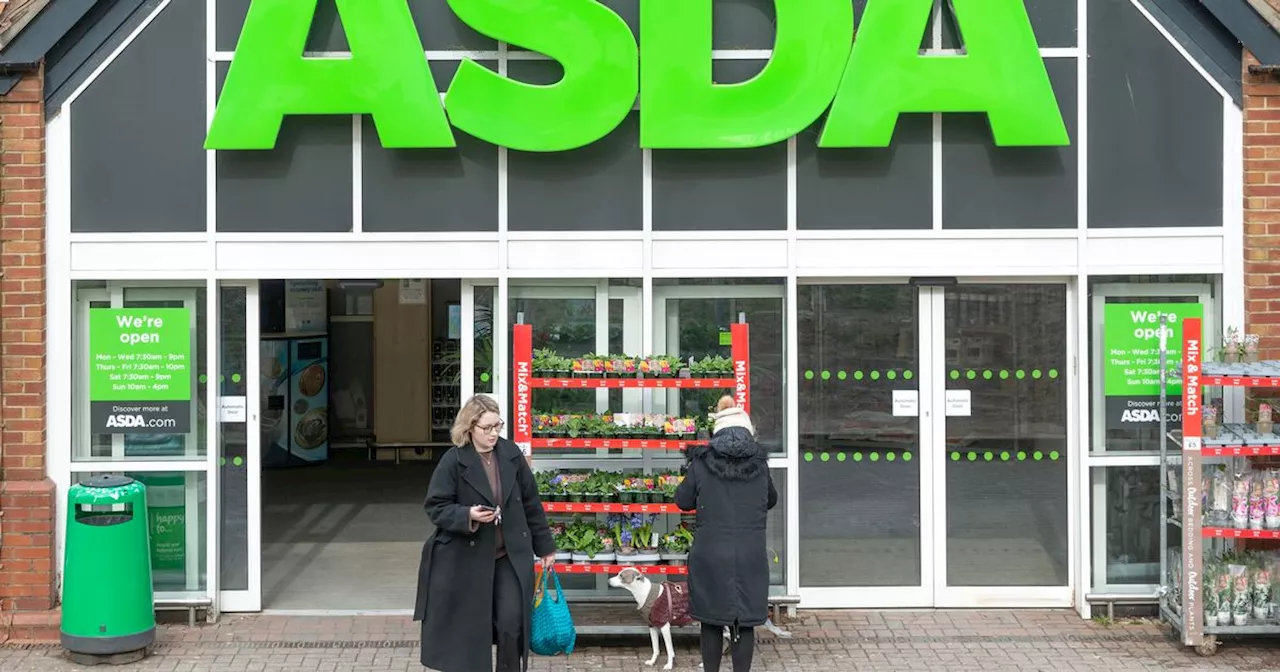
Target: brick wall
(1262, 208)
(27, 498)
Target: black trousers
(508, 616)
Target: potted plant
(1211, 421)
(1251, 348)
(576, 490)
(668, 483)
(622, 536)
(1264, 425)
(1231, 346)
(564, 546)
(586, 544)
(645, 539)
(675, 546)
(1260, 593)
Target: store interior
(360, 380)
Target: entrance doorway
(933, 465)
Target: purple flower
(625, 537)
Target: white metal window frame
(1098, 459)
(249, 599)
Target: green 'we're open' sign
(863, 81)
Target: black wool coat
(455, 577)
(728, 482)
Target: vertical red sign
(522, 347)
(741, 354)
(1192, 396)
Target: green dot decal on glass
(971, 374)
(857, 375)
(987, 456)
(1037, 456)
(1053, 455)
(238, 461)
(972, 456)
(1004, 375)
(955, 375)
(1053, 373)
(908, 375)
(891, 375)
(826, 375)
(484, 377)
(1021, 456)
(857, 457)
(840, 456)
(1004, 456)
(1035, 373)
(808, 457)
(875, 375)
(1020, 374)
(808, 375)
(235, 377)
(224, 462)
(841, 375)
(955, 457)
(906, 457)
(204, 378)
(891, 456)
(986, 375)
(825, 457)
(875, 457)
(222, 379)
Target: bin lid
(106, 481)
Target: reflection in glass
(483, 353)
(776, 531)
(176, 526)
(1006, 465)
(233, 450)
(859, 464)
(698, 327)
(1132, 502)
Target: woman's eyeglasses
(495, 428)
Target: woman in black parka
(475, 581)
(728, 482)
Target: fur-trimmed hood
(733, 453)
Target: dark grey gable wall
(137, 130)
(1155, 127)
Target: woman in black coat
(475, 581)
(728, 482)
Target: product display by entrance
(295, 401)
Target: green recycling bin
(107, 606)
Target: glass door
(866, 458)
(239, 471)
(1000, 499)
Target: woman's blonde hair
(726, 402)
(469, 415)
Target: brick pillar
(28, 503)
(1262, 208)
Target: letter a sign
(862, 80)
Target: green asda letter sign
(816, 64)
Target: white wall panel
(612, 258)
(897, 257)
(357, 259)
(146, 258)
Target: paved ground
(823, 641)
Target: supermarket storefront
(927, 299)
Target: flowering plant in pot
(675, 546)
(625, 541)
(1231, 346)
(645, 539)
(564, 547)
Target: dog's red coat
(672, 606)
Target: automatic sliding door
(1004, 539)
(864, 450)
(239, 470)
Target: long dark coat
(455, 577)
(728, 482)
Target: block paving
(822, 641)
